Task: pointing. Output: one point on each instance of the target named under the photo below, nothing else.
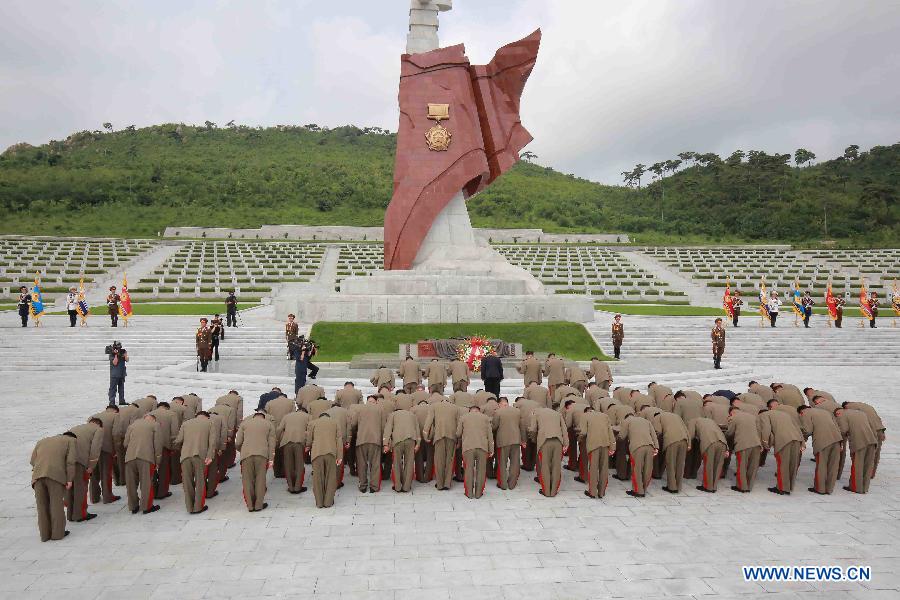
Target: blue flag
(37, 300)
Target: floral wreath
(473, 349)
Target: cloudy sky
(616, 82)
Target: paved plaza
(429, 544)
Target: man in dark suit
(492, 373)
(264, 398)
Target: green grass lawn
(342, 341)
(187, 309)
(8, 306)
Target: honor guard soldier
(255, 441)
(618, 335)
(88, 443)
(52, 472)
(197, 440)
(401, 438)
(807, 303)
(112, 305)
(143, 451)
(839, 303)
(325, 446)
(718, 343)
(231, 310)
(292, 337)
(204, 344)
(530, 369)
(24, 307)
(217, 328)
(599, 445)
(476, 441)
(873, 306)
(736, 303)
(549, 430)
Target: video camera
(114, 348)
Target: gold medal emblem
(438, 137)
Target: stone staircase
(752, 345)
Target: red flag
(125, 299)
(728, 301)
(831, 303)
(864, 301)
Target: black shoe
(363, 490)
(847, 487)
(568, 468)
(775, 490)
(588, 494)
(579, 480)
(197, 512)
(213, 495)
(134, 511)
(537, 479)
(634, 493)
(374, 491)
(700, 488)
(89, 516)
(340, 485)
(226, 478)
(65, 533)
(153, 508)
(670, 491)
(301, 490)
(815, 491)
(736, 488)
(113, 499)
(264, 506)
(541, 492)
(312, 376)
(163, 497)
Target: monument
(459, 130)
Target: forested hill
(135, 182)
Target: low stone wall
(376, 234)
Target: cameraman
(306, 350)
(118, 356)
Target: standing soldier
(112, 304)
(325, 446)
(718, 343)
(827, 440)
(807, 303)
(231, 310)
(736, 304)
(88, 443)
(555, 371)
(549, 430)
(255, 441)
(713, 446)
(530, 369)
(204, 344)
(218, 332)
(24, 307)
(101, 477)
(52, 472)
(440, 429)
(600, 372)
(198, 440)
(873, 306)
(743, 428)
(368, 422)
(599, 445)
(436, 373)
(643, 445)
(854, 425)
(410, 374)
(72, 306)
(509, 435)
(401, 438)
(292, 337)
(291, 438)
(459, 375)
(618, 335)
(839, 303)
(476, 440)
(143, 451)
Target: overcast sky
(616, 83)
